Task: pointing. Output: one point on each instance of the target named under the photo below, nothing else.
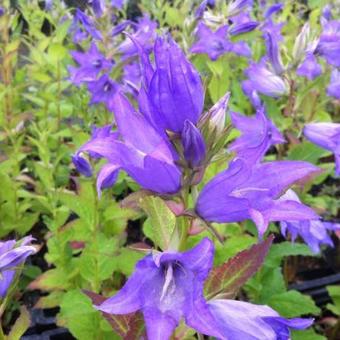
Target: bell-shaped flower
(173, 91)
(329, 43)
(12, 255)
(258, 134)
(209, 42)
(251, 191)
(193, 145)
(168, 287)
(137, 148)
(313, 232)
(144, 34)
(242, 320)
(265, 81)
(333, 88)
(103, 91)
(91, 63)
(327, 136)
(309, 68)
(217, 43)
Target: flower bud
(301, 43)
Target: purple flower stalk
(168, 287)
(83, 27)
(246, 191)
(172, 89)
(12, 255)
(313, 232)
(333, 88)
(327, 136)
(137, 148)
(258, 134)
(264, 81)
(91, 63)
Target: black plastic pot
(43, 326)
(316, 288)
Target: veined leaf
(227, 278)
(162, 220)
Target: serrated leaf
(21, 325)
(230, 276)
(161, 218)
(292, 304)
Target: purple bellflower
(327, 136)
(168, 286)
(212, 43)
(12, 255)
(265, 81)
(103, 91)
(193, 144)
(83, 27)
(245, 191)
(269, 26)
(172, 90)
(144, 34)
(137, 148)
(218, 43)
(309, 68)
(258, 134)
(313, 232)
(333, 88)
(329, 43)
(91, 63)
(242, 320)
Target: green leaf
(334, 292)
(281, 250)
(308, 334)
(292, 304)
(80, 317)
(21, 325)
(98, 259)
(162, 220)
(228, 278)
(306, 151)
